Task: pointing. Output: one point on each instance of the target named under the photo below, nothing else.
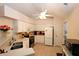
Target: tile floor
(43, 50)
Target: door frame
(65, 31)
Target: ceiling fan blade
(48, 15)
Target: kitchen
(29, 31)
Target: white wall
(58, 31)
(73, 24)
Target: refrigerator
(49, 36)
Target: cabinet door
(39, 39)
(26, 43)
(20, 26)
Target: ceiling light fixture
(43, 15)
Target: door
(49, 36)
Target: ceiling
(61, 10)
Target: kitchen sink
(17, 45)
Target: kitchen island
(21, 51)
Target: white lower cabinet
(26, 43)
(39, 38)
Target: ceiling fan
(44, 15)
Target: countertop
(65, 50)
(73, 41)
(19, 52)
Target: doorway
(65, 31)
